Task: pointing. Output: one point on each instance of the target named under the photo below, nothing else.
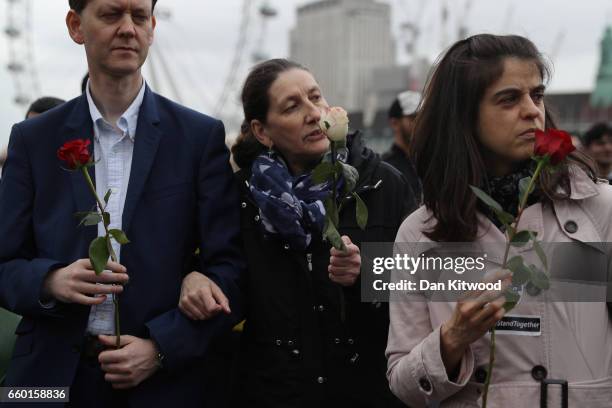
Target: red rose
(555, 143)
(75, 153)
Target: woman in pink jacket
(476, 126)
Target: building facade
(342, 42)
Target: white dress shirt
(113, 149)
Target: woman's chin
(317, 146)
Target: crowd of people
(228, 295)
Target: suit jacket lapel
(146, 143)
(80, 126)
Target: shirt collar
(129, 117)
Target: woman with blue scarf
(308, 340)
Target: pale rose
(334, 123)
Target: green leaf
(514, 262)
(331, 210)
(512, 299)
(327, 125)
(523, 184)
(119, 236)
(91, 219)
(339, 168)
(509, 306)
(485, 198)
(331, 234)
(520, 238)
(520, 276)
(107, 196)
(82, 214)
(520, 272)
(361, 212)
(322, 172)
(538, 278)
(532, 290)
(504, 217)
(540, 252)
(98, 254)
(106, 218)
(351, 175)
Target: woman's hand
(344, 266)
(201, 298)
(472, 318)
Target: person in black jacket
(402, 114)
(308, 340)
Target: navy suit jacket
(180, 196)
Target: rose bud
(555, 143)
(75, 153)
(334, 123)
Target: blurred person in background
(402, 114)
(598, 144)
(42, 105)
(36, 108)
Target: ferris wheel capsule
(259, 56)
(22, 100)
(15, 67)
(266, 10)
(163, 13)
(12, 32)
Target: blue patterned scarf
(289, 206)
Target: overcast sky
(198, 42)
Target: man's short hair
(79, 5)
(596, 132)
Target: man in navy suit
(172, 191)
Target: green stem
(335, 201)
(490, 370)
(92, 188)
(532, 182)
(111, 251)
(521, 208)
(335, 184)
(335, 188)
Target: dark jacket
(308, 341)
(396, 157)
(181, 191)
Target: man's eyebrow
(141, 9)
(110, 8)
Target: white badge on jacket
(519, 325)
